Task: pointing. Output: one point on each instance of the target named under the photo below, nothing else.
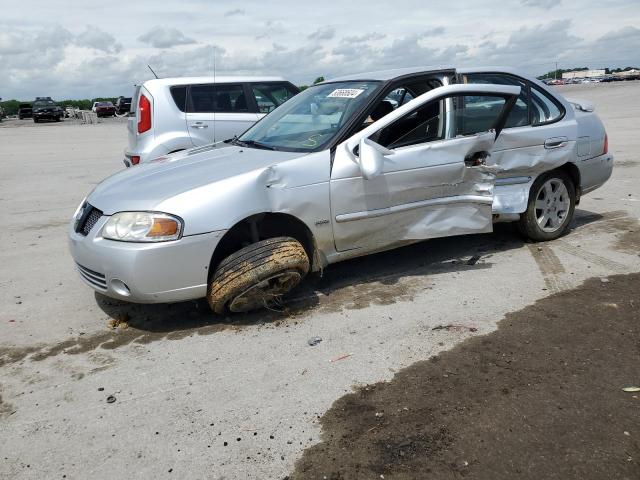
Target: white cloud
(234, 12)
(165, 37)
(541, 3)
(93, 37)
(56, 54)
(324, 33)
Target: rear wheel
(256, 276)
(552, 201)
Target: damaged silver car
(348, 167)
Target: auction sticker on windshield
(345, 93)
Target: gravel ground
(199, 396)
(542, 397)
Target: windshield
(44, 103)
(311, 119)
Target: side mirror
(371, 158)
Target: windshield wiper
(253, 143)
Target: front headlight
(142, 227)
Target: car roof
(389, 74)
(385, 75)
(217, 79)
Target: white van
(173, 114)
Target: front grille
(94, 279)
(88, 220)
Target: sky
(86, 49)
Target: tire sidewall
(220, 302)
(532, 229)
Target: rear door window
(519, 116)
(270, 96)
(543, 108)
(217, 98)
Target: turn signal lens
(163, 227)
(605, 150)
(142, 227)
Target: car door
(234, 112)
(216, 112)
(537, 136)
(433, 176)
(200, 113)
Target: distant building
(583, 74)
(634, 72)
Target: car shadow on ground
(378, 279)
(381, 278)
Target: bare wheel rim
(552, 205)
(266, 292)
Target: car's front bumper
(47, 115)
(150, 272)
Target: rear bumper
(594, 172)
(160, 272)
(145, 155)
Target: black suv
(25, 111)
(46, 109)
(123, 105)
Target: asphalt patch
(541, 397)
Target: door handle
(199, 125)
(476, 159)
(556, 142)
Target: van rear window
(179, 94)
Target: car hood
(145, 186)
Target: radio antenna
(154, 73)
(215, 103)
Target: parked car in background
(25, 110)
(44, 108)
(173, 114)
(105, 109)
(337, 172)
(123, 105)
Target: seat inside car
(241, 102)
(223, 102)
(423, 117)
(385, 107)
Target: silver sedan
(348, 167)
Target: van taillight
(605, 150)
(144, 112)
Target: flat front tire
(257, 275)
(550, 209)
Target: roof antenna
(154, 73)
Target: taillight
(144, 112)
(605, 150)
(135, 159)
